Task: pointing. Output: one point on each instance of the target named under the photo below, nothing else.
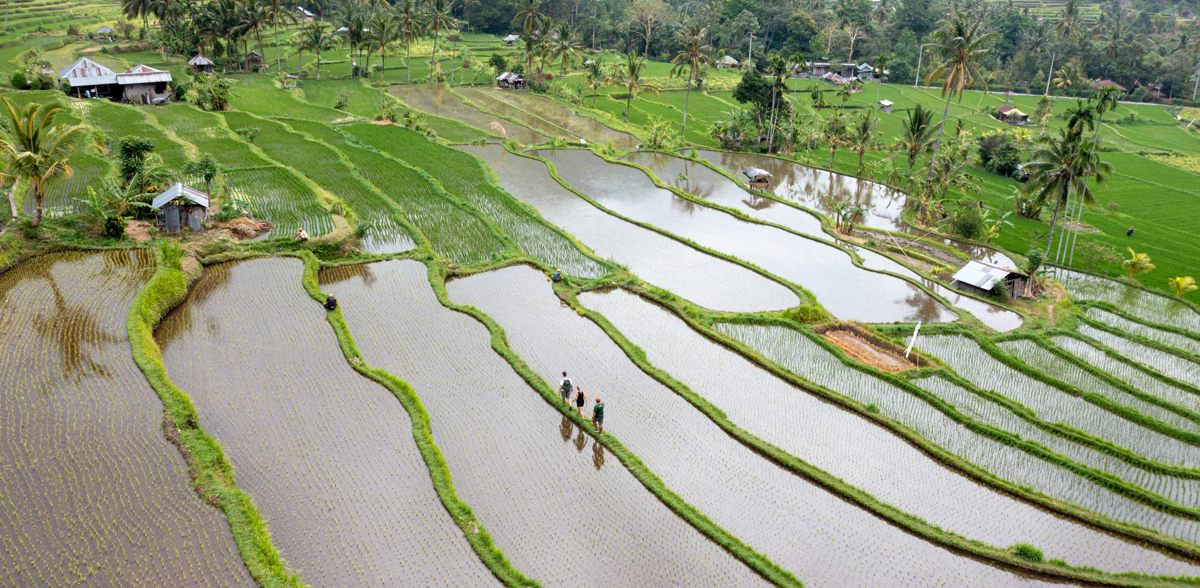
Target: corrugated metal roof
(512, 38)
(143, 74)
(105, 31)
(755, 173)
(200, 60)
(981, 275)
(180, 191)
(886, 102)
(86, 72)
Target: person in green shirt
(598, 416)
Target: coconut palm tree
(566, 47)
(692, 57)
(1067, 29)
(1068, 76)
(880, 67)
(1138, 263)
(917, 134)
(385, 33)
(835, 132)
(130, 8)
(1186, 43)
(960, 45)
(1182, 285)
(631, 78)
(800, 60)
(531, 17)
(439, 19)
(1056, 168)
(596, 79)
(779, 74)
(861, 137)
(1102, 102)
(35, 150)
(277, 12)
(410, 28)
(315, 37)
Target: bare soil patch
(244, 229)
(864, 347)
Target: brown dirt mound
(864, 347)
(244, 229)
(137, 230)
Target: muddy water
(93, 494)
(1180, 342)
(561, 510)
(488, 101)
(703, 279)
(1140, 303)
(1053, 405)
(799, 526)
(437, 100)
(327, 455)
(702, 182)
(847, 291)
(549, 110)
(1182, 369)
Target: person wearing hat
(330, 304)
(598, 416)
(301, 235)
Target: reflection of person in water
(580, 441)
(597, 454)
(565, 429)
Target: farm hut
(1102, 84)
(201, 64)
(759, 178)
(1012, 116)
(509, 40)
(180, 206)
(818, 69)
(105, 33)
(726, 62)
(144, 85)
(304, 14)
(510, 81)
(89, 79)
(885, 106)
(254, 59)
(980, 278)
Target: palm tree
(883, 9)
(631, 78)
(315, 37)
(531, 17)
(960, 45)
(845, 91)
(779, 74)
(1194, 45)
(597, 79)
(35, 150)
(410, 28)
(1078, 115)
(439, 20)
(1068, 76)
(1066, 30)
(1055, 170)
(1104, 101)
(385, 32)
(1182, 285)
(880, 67)
(254, 15)
(801, 62)
(131, 8)
(861, 137)
(1138, 263)
(1115, 39)
(917, 134)
(835, 132)
(277, 12)
(1037, 39)
(692, 57)
(566, 47)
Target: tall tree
(643, 17)
(960, 45)
(35, 150)
(861, 137)
(566, 46)
(439, 20)
(596, 79)
(779, 74)
(1066, 30)
(277, 12)
(385, 33)
(917, 134)
(835, 132)
(879, 69)
(631, 79)
(692, 57)
(131, 8)
(410, 28)
(315, 37)
(1104, 101)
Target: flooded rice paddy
(518, 463)
(92, 493)
(849, 292)
(438, 100)
(577, 124)
(1131, 375)
(769, 508)
(901, 476)
(1180, 342)
(1053, 405)
(487, 100)
(706, 280)
(327, 455)
(1168, 364)
(1135, 301)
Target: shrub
(18, 80)
(1029, 552)
(806, 314)
(999, 154)
(1000, 291)
(114, 227)
(343, 99)
(1113, 206)
(872, 407)
(966, 222)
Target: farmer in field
(557, 275)
(564, 389)
(301, 235)
(330, 303)
(598, 416)
(1129, 233)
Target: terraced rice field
(1134, 376)
(327, 455)
(556, 114)
(758, 502)
(208, 134)
(1168, 364)
(333, 175)
(845, 290)
(437, 100)
(1053, 405)
(966, 508)
(703, 279)
(93, 494)
(1135, 301)
(63, 193)
(274, 194)
(119, 121)
(489, 102)
(1190, 345)
(519, 463)
(467, 179)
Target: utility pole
(920, 54)
(750, 55)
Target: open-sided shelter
(510, 80)
(509, 40)
(885, 105)
(180, 206)
(758, 177)
(88, 78)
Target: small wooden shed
(759, 178)
(509, 40)
(180, 206)
(1009, 114)
(89, 79)
(885, 106)
(511, 81)
(254, 58)
(201, 64)
(980, 278)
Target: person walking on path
(564, 389)
(598, 416)
(580, 400)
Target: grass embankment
(211, 471)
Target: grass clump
(807, 314)
(1028, 552)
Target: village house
(1010, 115)
(144, 85)
(201, 64)
(178, 207)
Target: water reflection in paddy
(696, 276)
(488, 101)
(847, 291)
(555, 113)
(439, 101)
